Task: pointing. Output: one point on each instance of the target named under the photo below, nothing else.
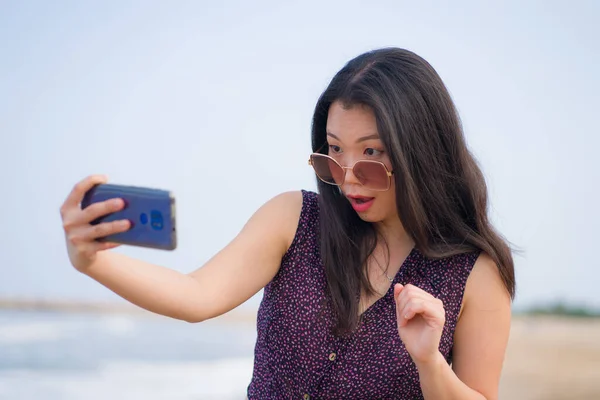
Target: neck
(394, 245)
(394, 234)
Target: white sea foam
(31, 332)
(47, 331)
(119, 325)
(219, 380)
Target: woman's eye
(335, 149)
(373, 152)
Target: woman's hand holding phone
(94, 214)
(80, 234)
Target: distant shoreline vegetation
(68, 305)
(241, 314)
(553, 309)
(561, 309)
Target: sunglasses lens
(327, 170)
(372, 175)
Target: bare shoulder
(483, 329)
(485, 289)
(281, 211)
(253, 257)
(289, 203)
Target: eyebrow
(360, 139)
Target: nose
(350, 178)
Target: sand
(552, 358)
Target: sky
(214, 102)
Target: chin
(370, 217)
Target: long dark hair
(441, 193)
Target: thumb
(101, 246)
(397, 290)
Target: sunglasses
(373, 175)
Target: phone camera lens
(156, 220)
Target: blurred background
(214, 102)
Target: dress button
(306, 396)
(332, 357)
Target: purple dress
(298, 357)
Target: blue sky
(214, 102)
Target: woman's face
(352, 136)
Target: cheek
(390, 200)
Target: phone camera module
(156, 220)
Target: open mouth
(362, 200)
(360, 203)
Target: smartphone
(150, 211)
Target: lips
(360, 199)
(360, 203)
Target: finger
(81, 236)
(100, 209)
(430, 310)
(76, 217)
(398, 288)
(79, 190)
(402, 308)
(93, 232)
(411, 292)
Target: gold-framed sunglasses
(373, 175)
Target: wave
(220, 379)
(53, 330)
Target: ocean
(81, 356)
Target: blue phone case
(150, 211)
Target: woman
(390, 283)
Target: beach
(552, 358)
(83, 354)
